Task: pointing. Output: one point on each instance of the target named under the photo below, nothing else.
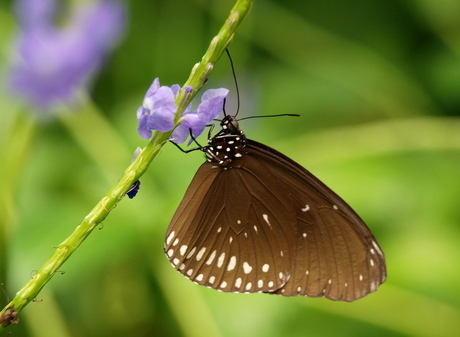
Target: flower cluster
(159, 108)
(53, 61)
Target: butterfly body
(227, 147)
(253, 220)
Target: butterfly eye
(253, 220)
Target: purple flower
(211, 105)
(53, 62)
(159, 108)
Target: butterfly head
(230, 125)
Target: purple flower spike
(158, 109)
(211, 104)
(54, 61)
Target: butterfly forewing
(253, 220)
(336, 255)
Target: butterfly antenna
(263, 116)
(236, 82)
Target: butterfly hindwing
(230, 238)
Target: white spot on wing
(199, 278)
(231, 263)
(200, 253)
(238, 282)
(373, 286)
(223, 284)
(306, 209)
(377, 248)
(246, 268)
(248, 286)
(212, 279)
(265, 216)
(265, 267)
(260, 283)
(189, 255)
(170, 237)
(170, 252)
(211, 258)
(183, 249)
(221, 259)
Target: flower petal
(143, 116)
(153, 87)
(190, 121)
(163, 111)
(212, 103)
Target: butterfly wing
(268, 225)
(336, 255)
(219, 237)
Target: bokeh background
(378, 86)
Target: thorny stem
(63, 251)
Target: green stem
(64, 250)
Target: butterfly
(254, 220)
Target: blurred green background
(378, 86)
